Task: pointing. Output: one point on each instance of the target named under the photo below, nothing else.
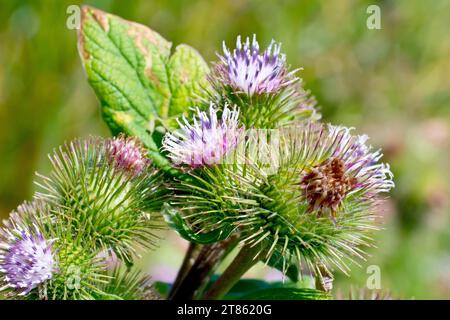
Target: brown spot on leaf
(184, 76)
(81, 48)
(101, 17)
(141, 33)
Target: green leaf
(176, 222)
(287, 294)
(246, 286)
(125, 63)
(139, 85)
(187, 74)
(163, 288)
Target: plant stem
(206, 262)
(188, 261)
(246, 258)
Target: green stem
(246, 258)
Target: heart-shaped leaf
(139, 84)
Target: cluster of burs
(249, 167)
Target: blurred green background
(391, 83)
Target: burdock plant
(313, 206)
(101, 198)
(106, 187)
(261, 84)
(234, 159)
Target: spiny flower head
(314, 205)
(127, 154)
(27, 257)
(106, 190)
(351, 168)
(261, 85)
(251, 72)
(43, 257)
(206, 141)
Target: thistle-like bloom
(205, 142)
(315, 206)
(352, 167)
(107, 185)
(249, 71)
(127, 154)
(27, 258)
(260, 84)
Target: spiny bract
(260, 85)
(309, 192)
(108, 190)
